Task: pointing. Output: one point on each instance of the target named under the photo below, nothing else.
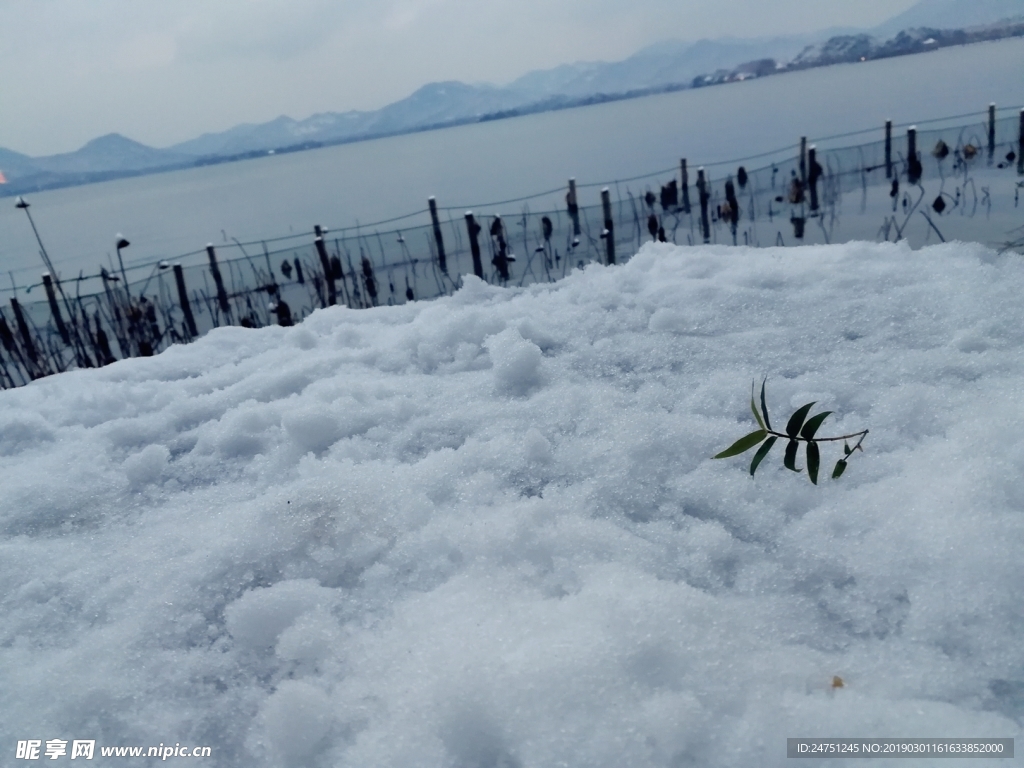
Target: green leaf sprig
(800, 429)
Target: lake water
(169, 214)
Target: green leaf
(812, 425)
(813, 461)
(791, 448)
(840, 468)
(743, 444)
(753, 407)
(761, 453)
(764, 406)
(846, 448)
(797, 420)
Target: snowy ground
(486, 530)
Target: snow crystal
(486, 530)
(516, 362)
(147, 465)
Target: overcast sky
(163, 71)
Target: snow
(486, 530)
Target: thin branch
(799, 439)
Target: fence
(959, 181)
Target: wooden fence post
(345, 296)
(501, 258)
(803, 161)
(609, 226)
(474, 245)
(186, 308)
(101, 343)
(812, 175)
(442, 259)
(117, 322)
(702, 190)
(686, 186)
(325, 263)
(51, 297)
(888, 149)
(26, 335)
(913, 163)
(1020, 146)
(734, 207)
(574, 208)
(7, 338)
(991, 131)
(75, 342)
(222, 295)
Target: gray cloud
(262, 28)
(163, 71)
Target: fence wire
(961, 182)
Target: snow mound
(486, 531)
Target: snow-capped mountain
(951, 14)
(671, 63)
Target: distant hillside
(850, 48)
(108, 157)
(280, 132)
(15, 164)
(665, 63)
(112, 152)
(951, 14)
(669, 65)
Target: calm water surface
(174, 213)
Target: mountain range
(950, 14)
(665, 66)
